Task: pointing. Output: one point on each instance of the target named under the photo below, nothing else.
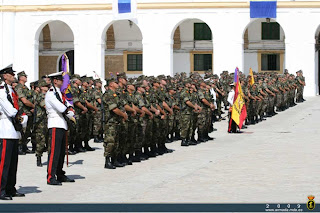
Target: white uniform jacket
(55, 109)
(7, 111)
(231, 97)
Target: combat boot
(116, 163)
(27, 150)
(200, 138)
(193, 140)
(208, 137)
(134, 158)
(153, 151)
(160, 149)
(39, 163)
(149, 153)
(20, 150)
(126, 160)
(184, 142)
(166, 150)
(96, 139)
(138, 153)
(87, 147)
(108, 164)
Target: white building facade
(165, 37)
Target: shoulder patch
(50, 90)
(114, 95)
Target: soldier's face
(24, 78)
(163, 82)
(44, 89)
(9, 77)
(48, 81)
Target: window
(202, 62)
(270, 31)
(202, 32)
(134, 62)
(270, 62)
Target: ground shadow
(28, 189)
(76, 177)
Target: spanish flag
(252, 78)
(239, 111)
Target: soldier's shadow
(76, 177)
(70, 163)
(28, 189)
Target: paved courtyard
(275, 161)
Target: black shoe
(134, 159)
(108, 164)
(20, 150)
(184, 142)
(96, 140)
(192, 143)
(87, 147)
(15, 194)
(70, 152)
(209, 138)
(39, 163)
(27, 150)
(116, 163)
(160, 151)
(65, 179)
(126, 160)
(79, 149)
(54, 183)
(5, 197)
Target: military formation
(136, 117)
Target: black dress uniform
(56, 107)
(9, 139)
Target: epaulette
(50, 90)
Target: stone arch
(264, 50)
(123, 43)
(192, 47)
(54, 37)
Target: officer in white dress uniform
(58, 110)
(9, 136)
(232, 127)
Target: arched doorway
(123, 49)
(192, 47)
(55, 39)
(70, 55)
(264, 46)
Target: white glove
(70, 114)
(25, 121)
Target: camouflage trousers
(170, 124)
(41, 137)
(259, 107)
(90, 124)
(130, 144)
(271, 105)
(186, 127)
(279, 100)
(159, 131)
(202, 122)
(72, 133)
(148, 133)
(264, 105)
(299, 95)
(97, 118)
(111, 139)
(126, 137)
(140, 134)
(82, 128)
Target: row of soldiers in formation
(135, 118)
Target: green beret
(110, 80)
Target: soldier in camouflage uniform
(117, 114)
(84, 119)
(26, 106)
(40, 125)
(300, 84)
(75, 141)
(207, 106)
(186, 112)
(97, 117)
